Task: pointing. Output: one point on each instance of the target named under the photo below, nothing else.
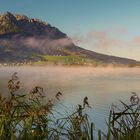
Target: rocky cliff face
(20, 24)
(23, 38)
(8, 24)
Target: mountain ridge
(23, 38)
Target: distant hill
(23, 39)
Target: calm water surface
(103, 86)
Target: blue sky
(106, 26)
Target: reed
(124, 122)
(27, 117)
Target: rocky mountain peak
(23, 25)
(21, 17)
(8, 23)
(7, 17)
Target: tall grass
(28, 117)
(124, 123)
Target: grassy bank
(27, 116)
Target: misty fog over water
(103, 86)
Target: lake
(103, 86)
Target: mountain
(25, 39)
